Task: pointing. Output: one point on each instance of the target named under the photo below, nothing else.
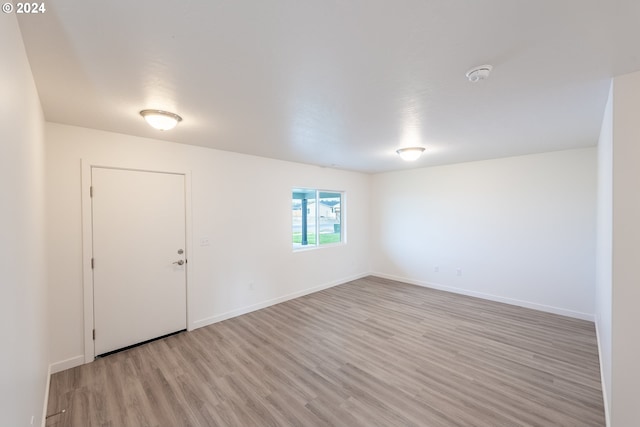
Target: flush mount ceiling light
(161, 120)
(479, 73)
(410, 154)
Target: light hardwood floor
(372, 352)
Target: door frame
(87, 242)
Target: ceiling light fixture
(410, 154)
(479, 73)
(161, 120)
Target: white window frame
(342, 221)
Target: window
(316, 217)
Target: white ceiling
(338, 83)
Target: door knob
(179, 262)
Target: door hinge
(94, 334)
(91, 191)
(92, 263)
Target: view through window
(317, 217)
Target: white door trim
(87, 245)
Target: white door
(139, 274)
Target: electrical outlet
(204, 241)
(250, 286)
(458, 272)
(436, 269)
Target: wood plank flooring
(372, 352)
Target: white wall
(625, 378)
(23, 358)
(226, 188)
(522, 229)
(604, 249)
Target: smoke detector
(479, 73)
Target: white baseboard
(69, 363)
(602, 381)
(248, 309)
(45, 405)
(62, 365)
(512, 301)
